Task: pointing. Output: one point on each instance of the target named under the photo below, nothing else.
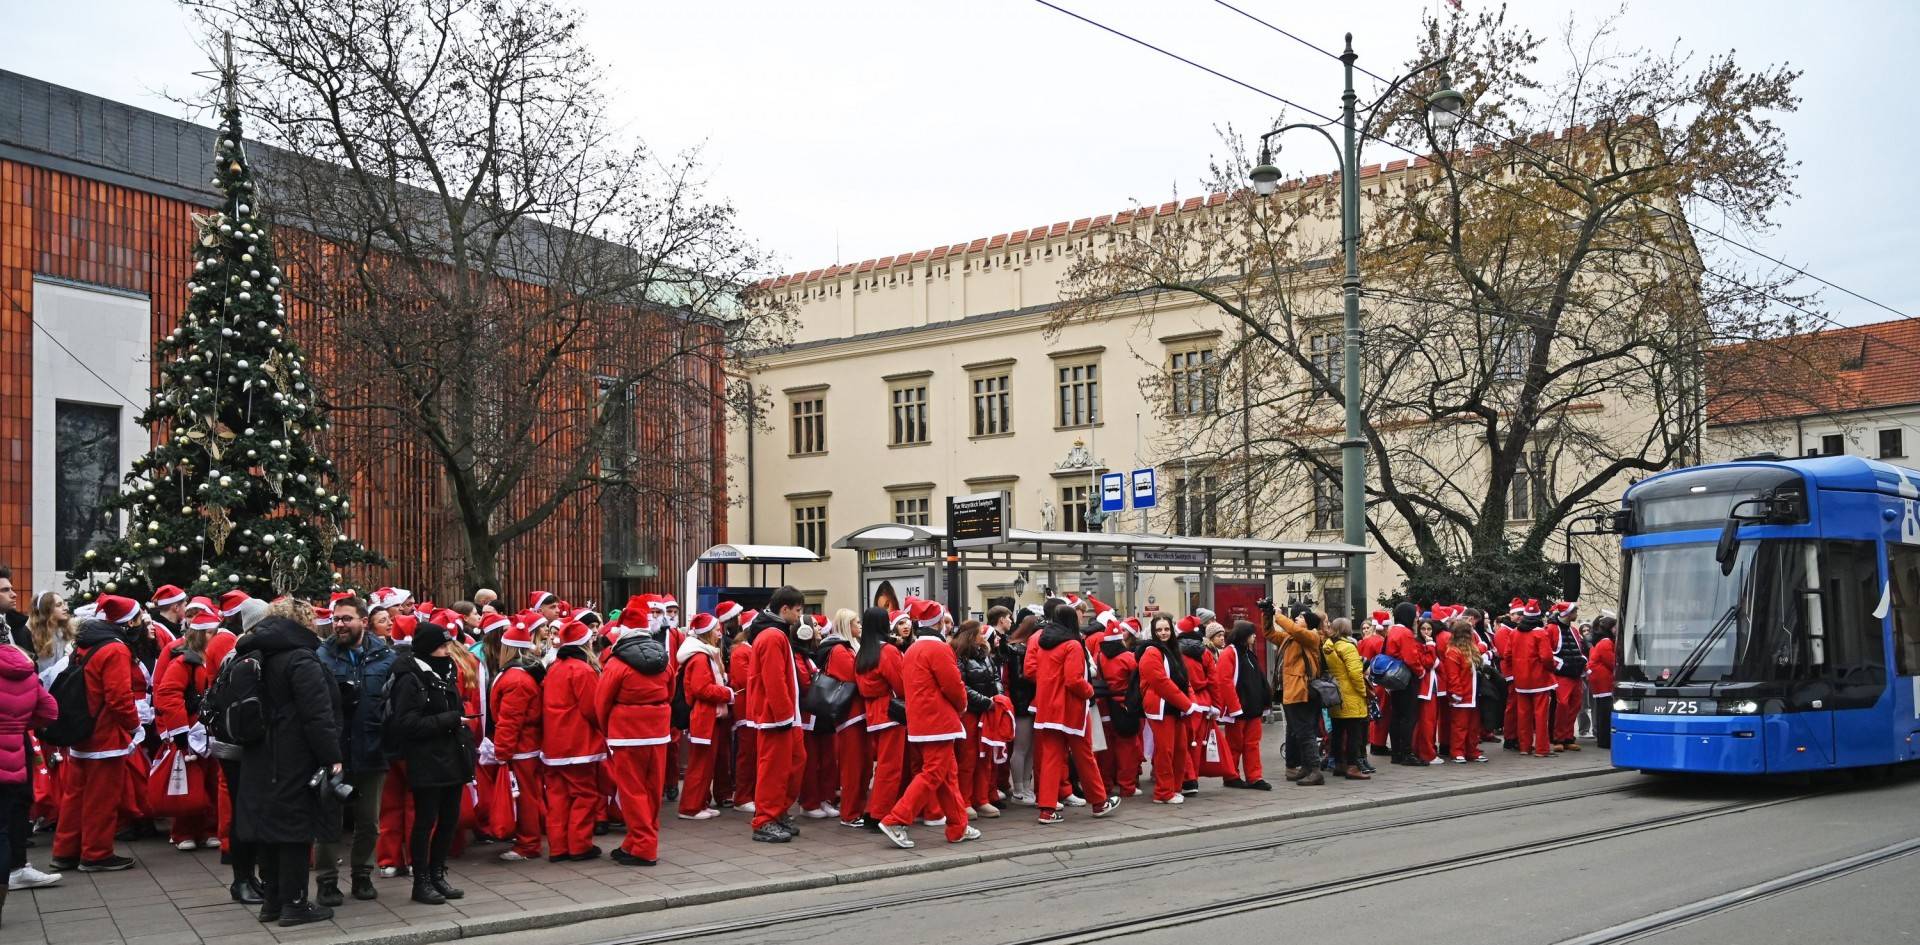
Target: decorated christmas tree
(235, 494)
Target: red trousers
(746, 764)
(1050, 750)
(640, 774)
(204, 823)
(889, 749)
(722, 761)
(966, 755)
(1464, 727)
(573, 797)
(1510, 718)
(1531, 725)
(1425, 731)
(1567, 693)
(1377, 728)
(936, 783)
(1170, 757)
(225, 809)
(529, 809)
(396, 817)
(90, 806)
(1243, 741)
(822, 776)
(1196, 727)
(783, 763)
(856, 768)
(1120, 763)
(696, 792)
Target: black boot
(327, 893)
(302, 911)
(363, 887)
(270, 911)
(424, 892)
(446, 890)
(247, 893)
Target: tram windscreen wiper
(1692, 663)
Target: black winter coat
(1020, 689)
(274, 803)
(427, 723)
(982, 680)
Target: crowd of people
(383, 734)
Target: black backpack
(827, 699)
(69, 689)
(234, 708)
(646, 655)
(680, 711)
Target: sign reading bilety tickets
(977, 521)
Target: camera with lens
(325, 781)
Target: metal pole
(1353, 469)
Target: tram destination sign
(976, 521)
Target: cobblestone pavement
(175, 898)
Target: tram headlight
(1625, 705)
(1740, 707)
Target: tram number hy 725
(1673, 707)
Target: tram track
(1726, 902)
(1152, 860)
(1185, 917)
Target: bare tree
(511, 285)
(1537, 314)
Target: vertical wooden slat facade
(65, 226)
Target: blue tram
(1770, 621)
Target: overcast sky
(849, 129)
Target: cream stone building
(933, 373)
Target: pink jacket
(24, 705)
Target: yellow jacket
(1343, 664)
(1299, 657)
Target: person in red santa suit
(392, 851)
(1569, 673)
(726, 632)
(1409, 647)
(821, 777)
(704, 690)
(176, 706)
(1373, 642)
(517, 714)
(746, 743)
(1061, 701)
(1244, 696)
(773, 708)
(1115, 661)
(1503, 645)
(572, 745)
(95, 782)
(936, 696)
(633, 706)
(220, 645)
(1200, 665)
(1602, 663)
(1166, 701)
(877, 670)
(1427, 739)
(1531, 662)
(1459, 670)
(852, 765)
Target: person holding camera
(362, 665)
(427, 724)
(278, 806)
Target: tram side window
(1903, 568)
(1855, 653)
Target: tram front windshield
(1685, 622)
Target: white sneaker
(935, 821)
(512, 857)
(898, 836)
(1437, 761)
(26, 877)
(989, 811)
(1024, 797)
(973, 833)
(186, 846)
(1459, 759)
(831, 811)
(211, 843)
(1074, 800)
(1176, 799)
(746, 808)
(389, 872)
(707, 814)
(818, 813)
(973, 811)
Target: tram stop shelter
(758, 559)
(913, 557)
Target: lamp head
(1265, 177)
(1446, 107)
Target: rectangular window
(1903, 573)
(809, 426)
(1328, 355)
(810, 528)
(991, 411)
(1074, 506)
(1833, 444)
(1893, 444)
(909, 414)
(86, 474)
(1509, 353)
(1193, 390)
(912, 510)
(1195, 501)
(1329, 508)
(1528, 497)
(1079, 386)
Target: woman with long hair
(704, 692)
(1459, 671)
(1020, 693)
(982, 681)
(1166, 701)
(851, 762)
(427, 713)
(51, 625)
(1243, 679)
(746, 741)
(176, 705)
(877, 671)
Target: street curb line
(476, 927)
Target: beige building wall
(1890, 434)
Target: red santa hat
(747, 618)
(519, 635)
(895, 616)
(322, 617)
(1531, 609)
(1188, 624)
(1133, 626)
(727, 611)
(338, 596)
(205, 620)
(492, 622)
(633, 616)
(386, 597)
(445, 619)
(1516, 606)
(203, 605)
(539, 599)
(1381, 617)
(403, 627)
(701, 623)
(116, 609)
(574, 633)
(585, 615)
(167, 596)
(926, 613)
(666, 602)
(1565, 607)
(230, 602)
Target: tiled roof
(1863, 367)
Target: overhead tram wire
(1686, 263)
(1524, 145)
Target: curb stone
(568, 915)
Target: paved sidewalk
(175, 898)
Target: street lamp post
(1443, 109)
